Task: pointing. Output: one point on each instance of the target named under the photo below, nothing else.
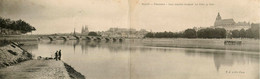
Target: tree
(18, 25)
(249, 33)
(242, 33)
(92, 34)
(235, 34)
(212, 33)
(190, 33)
(220, 33)
(149, 35)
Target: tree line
(249, 33)
(206, 33)
(18, 25)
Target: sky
(62, 16)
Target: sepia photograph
(129, 39)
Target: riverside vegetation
(252, 32)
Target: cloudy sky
(62, 16)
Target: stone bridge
(88, 38)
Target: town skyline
(64, 16)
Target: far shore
(246, 44)
(251, 45)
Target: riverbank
(17, 63)
(11, 53)
(35, 69)
(73, 73)
(246, 44)
(40, 69)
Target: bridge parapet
(89, 38)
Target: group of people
(58, 55)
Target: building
(124, 32)
(84, 30)
(230, 24)
(255, 26)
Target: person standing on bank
(59, 54)
(56, 55)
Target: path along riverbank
(17, 63)
(35, 69)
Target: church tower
(84, 30)
(218, 17)
(218, 20)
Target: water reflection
(220, 57)
(30, 47)
(110, 60)
(224, 58)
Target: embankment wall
(11, 54)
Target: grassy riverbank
(246, 45)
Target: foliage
(18, 25)
(190, 33)
(249, 33)
(235, 34)
(242, 33)
(149, 35)
(92, 34)
(163, 34)
(212, 33)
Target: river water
(133, 60)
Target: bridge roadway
(89, 38)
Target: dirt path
(35, 69)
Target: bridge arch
(51, 38)
(98, 38)
(120, 39)
(88, 38)
(77, 37)
(114, 39)
(64, 38)
(107, 39)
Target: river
(134, 60)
